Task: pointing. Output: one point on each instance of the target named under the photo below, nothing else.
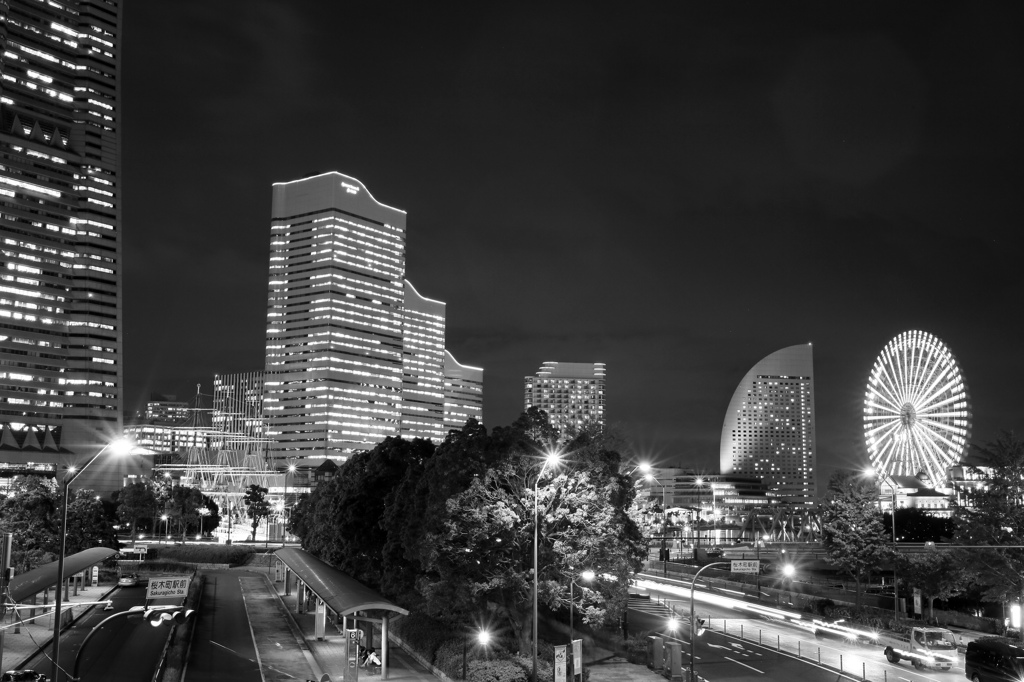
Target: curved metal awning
(343, 594)
(38, 579)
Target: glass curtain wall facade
(572, 394)
(333, 375)
(422, 367)
(463, 393)
(60, 223)
(769, 427)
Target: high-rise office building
(60, 223)
(238, 412)
(769, 426)
(422, 367)
(354, 353)
(572, 394)
(463, 393)
(334, 318)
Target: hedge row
(234, 555)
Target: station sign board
(167, 587)
(745, 566)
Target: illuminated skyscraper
(463, 393)
(422, 367)
(572, 393)
(769, 426)
(334, 318)
(60, 193)
(354, 353)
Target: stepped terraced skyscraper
(354, 353)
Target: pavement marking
(743, 664)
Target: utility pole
(5, 580)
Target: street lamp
(164, 518)
(895, 581)
(587, 576)
(483, 638)
(284, 509)
(120, 446)
(552, 458)
(664, 525)
(694, 633)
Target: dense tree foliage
(182, 506)
(451, 527)
(939, 575)
(31, 511)
(136, 501)
(257, 507)
(853, 535)
(993, 516)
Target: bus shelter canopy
(343, 594)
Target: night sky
(674, 193)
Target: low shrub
(636, 649)
(421, 632)
(448, 658)
(165, 567)
(205, 554)
(499, 670)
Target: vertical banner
(917, 600)
(577, 658)
(352, 638)
(560, 664)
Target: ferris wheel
(917, 414)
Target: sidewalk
(36, 634)
(606, 666)
(287, 635)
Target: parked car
(23, 676)
(130, 580)
(992, 660)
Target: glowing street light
(118, 447)
(552, 458)
(587, 576)
(483, 638)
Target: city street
(124, 650)
(740, 645)
(222, 643)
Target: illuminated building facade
(463, 393)
(60, 216)
(769, 427)
(354, 353)
(238, 411)
(422, 367)
(572, 394)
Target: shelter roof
(42, 577)
(342, 593)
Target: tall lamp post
(587, 576)
(284, 509)
(119, 447)
(895, 581)
(693, 623)
(552, 459)
(664, 524)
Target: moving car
(130, 580)
(993, 660)
(23, 676)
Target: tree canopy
(854, 538)
(452, 526)
(994, 516)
